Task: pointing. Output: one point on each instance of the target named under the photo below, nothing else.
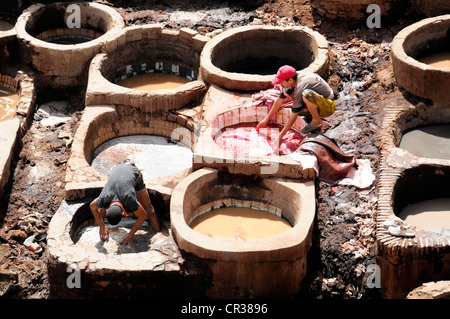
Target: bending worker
(311, 95)
(124, 192)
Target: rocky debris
(36, 193)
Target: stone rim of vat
(208, 154)
(395, 253)
(39, 52)
(395, 161)
(63, 250)
(104, 122)
(249, 82)
(400, 120)
(100, 90)
(289, 245)
(416, 77)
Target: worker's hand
(262, 124)
(104, 233)
(127, 239)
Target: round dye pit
(109, 135)
(143, 55)
(55, 37)
(268, 267)
(239, 223)
(430, 215)
(414, 43)
(430, 141)
(417, 194)
(155, 156)
(230, 142)
(422, 195)
(437, 60)
(244, 139)
(8, 103)
(247, 58)
(153, 81)
(147, 267)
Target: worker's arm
(275, 107)
(141, 217)
(287, 127)
(99, 214)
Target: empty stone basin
(80, 265)
(410, 45)
(143, 51)
(60, 39)
(155, 156)
(247, 58)
(268, 267)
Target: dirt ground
(343, 238)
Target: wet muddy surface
(344, 229)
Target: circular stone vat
(155, 156)
(60, 39)
(429, 141)
(410, 45)
(247, 58)
(9, 98)
(141, 53)
(422, 196)
(159, 145)
(267, 267)
(80, 265)
(407, 262)
(232, 153)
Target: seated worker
(310, 94)
(124, 192)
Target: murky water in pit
(432, 141)
(239, 223)
(432, 215)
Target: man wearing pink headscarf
(311, 96)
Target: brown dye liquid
(239, 223)
(8, 104)
(438, 60)
(432, 215)
(153, 81)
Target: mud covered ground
(343, 238)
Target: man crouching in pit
(124, 192)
